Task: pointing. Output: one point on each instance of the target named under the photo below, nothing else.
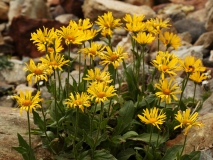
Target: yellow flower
(55, 61)
(143, 38)
(40, 72)
(153, 117)
(82, 24)
(158, 24)
(90, 34)
(53, 46)
(107, 21)
(27, 101)
(71, 35)
(198, 77)
(166, 63)
(113, 58)
(187, 121)
(97, 76)
(134, 24)
(93, 51)
(101, 92)
(170, 40)
(168, 90)
(43, 37)
(106, 32)
(190, 65)
(78, 100)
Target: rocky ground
(192, 20)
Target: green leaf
(172, 152)
(195, 155)
(146, 136)
(89, 140)
(125, 154)
(149, 99)
(38, 121)
(138, 156)
(125, 117)
(103, 155)
(128, 135)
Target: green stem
(91, 122)
(56, 113)
(143, 72)
(28, 120)
(59, 80)
(194, 93)
(184, 144)
(150, 138)
(68, 76)
(75, 134)
(183, 88)
(79, 75)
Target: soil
(11, 123)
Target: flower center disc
(186, 121)
(26, 102)
(78, 102)
(50, 49)
(98, 78)
(101, 94)
(38, 71)
(152, 120)
(70, 38)
(93, 52)
(113, 57)
(164, 67)
(166, 91)
(54, 63)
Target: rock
(29, 8)
(211, 56)
(65, 18)
(199, 15)
(23, 88)
(53, 2)
(4, 8)
(206, 40)
(185, 36)
(16, 75)
(72, 6)
(209, 13)
(5, 88)
(21, 29)
(198, 4)
(140, 2)
(192, 26)
(94, 8)
(58, 10)
(176, 16)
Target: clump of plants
(5, 63)
(91, 119)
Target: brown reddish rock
(21, 29)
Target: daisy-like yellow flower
(107, 21)
(53, 46)
(54, 61)
(158, 24)
(27, 101)
(101, 92)
(168, 90)
(106, 32)
(93, 51)
(187, 121)
(90, 34)
(97, 76)
(190, 65)
(143, 38)
(78, 100)
(198, 77)
(82, 24)
(43, 37)
(153, 117)
(166, 63)
(170, 40)
(71, 35)
(113, 58)
(40, 72)
(134, 24)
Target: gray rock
(94, 8)
(65, 18)
(206, 39)
(209, 13)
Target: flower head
(113, 57)
(190, 65)
(107, 21)
(153, 116)
(40, 71)
(168, 90)
(78, 100)
(97, 76)
(82, 24)
(93, 51)
(166, 63)
(101, 91)
(158, 24)
(27, 101)
(198, 77)
(143, 38)
(186, 120)
(170, 40)
(54, 61)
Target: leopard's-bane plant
(170, 40)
